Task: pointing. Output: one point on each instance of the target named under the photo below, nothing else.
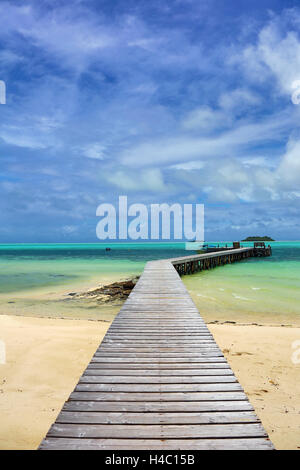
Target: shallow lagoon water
(256, 290)
(36, 280)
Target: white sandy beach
(261, 358)
(45, 358)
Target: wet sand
(56, 301)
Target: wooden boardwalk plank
(158, 406)
(152, 444)
(92, 417)
(205, 371)
(158, 366)
(157, 431)
(211, 387)
(158, 380)
(154, 396)
(121, 379)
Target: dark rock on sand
(110, 292)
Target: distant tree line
(258, 239)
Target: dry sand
(46, 357)
(44, 360)
(261, 358)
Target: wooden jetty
(159, 380)
(194, 263)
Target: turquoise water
(24, 267)
(252, 289)
(35, 280)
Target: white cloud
(205, 118)
(72, 34)
(95, 150)
(33, 133)
(259, 161)
(146, 180)
(229, 150)
(68, 229)
(276, 55)
(186, 148)
(20, 139)
(281, 55)
(231, 104)
(9, 58)
(194, 165)
(222, 194)
(239, 99)
(289, 169)
(233, 173)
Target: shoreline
(212, 323)
(78, 302)
(56, 301)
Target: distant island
(258, 239)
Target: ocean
(35, 279)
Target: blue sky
(176, 101)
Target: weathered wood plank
(140, 431)
(152, 396)
(158, 406)
(158, 444)
(165, 348)
(205, 371)
(153, 337)
(197, 341)
(160, 343)
(151, 387)
(156, 330)
(85, 417)
(119, 379)
(138, 345)
(213, 357)
(147, 354)
(158, 381)
(158, 366)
